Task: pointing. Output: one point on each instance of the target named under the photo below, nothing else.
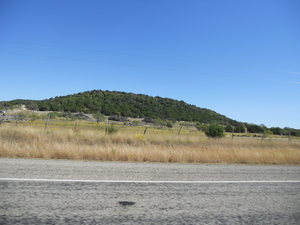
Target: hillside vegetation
(128, 105)
(142, 106)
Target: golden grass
(89, 142)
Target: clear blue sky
(234, 57)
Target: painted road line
(155, 182)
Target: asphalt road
(247, 195)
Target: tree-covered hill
(128, 105)
(141, 106)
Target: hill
(128, 105)
(141, 106)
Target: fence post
(289, 135)
(106, 125)
(180, 130)
(47, 122)
(75, 125)
(232, 132)
(17, 120)
(145, 130)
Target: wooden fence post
(180, 130)
(106, 125)
(145, 130)
(47, 122)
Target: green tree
(215, 130)
(43, 107)
(240, 129)
(99, 117)
(11, 107)
(7, 105)
(276, 130)
(228, 128)
(32, 106)
(33, 117)
(252, 128)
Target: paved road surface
(76, 202)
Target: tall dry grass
(89, 142)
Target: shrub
(21, 115)
(54, 114)
(215, 131)
(33, 117)
(201, 127)
(99, 117)
(169, 124)
(44, 117)
(268, 133)
(160, 123)
(136, 122)
(111, 129)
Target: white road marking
(155, 181)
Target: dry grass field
(88, 142)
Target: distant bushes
(215, 130)
(285, 131)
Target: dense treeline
(139, 106)
(285, 131)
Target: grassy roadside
(89, 142)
